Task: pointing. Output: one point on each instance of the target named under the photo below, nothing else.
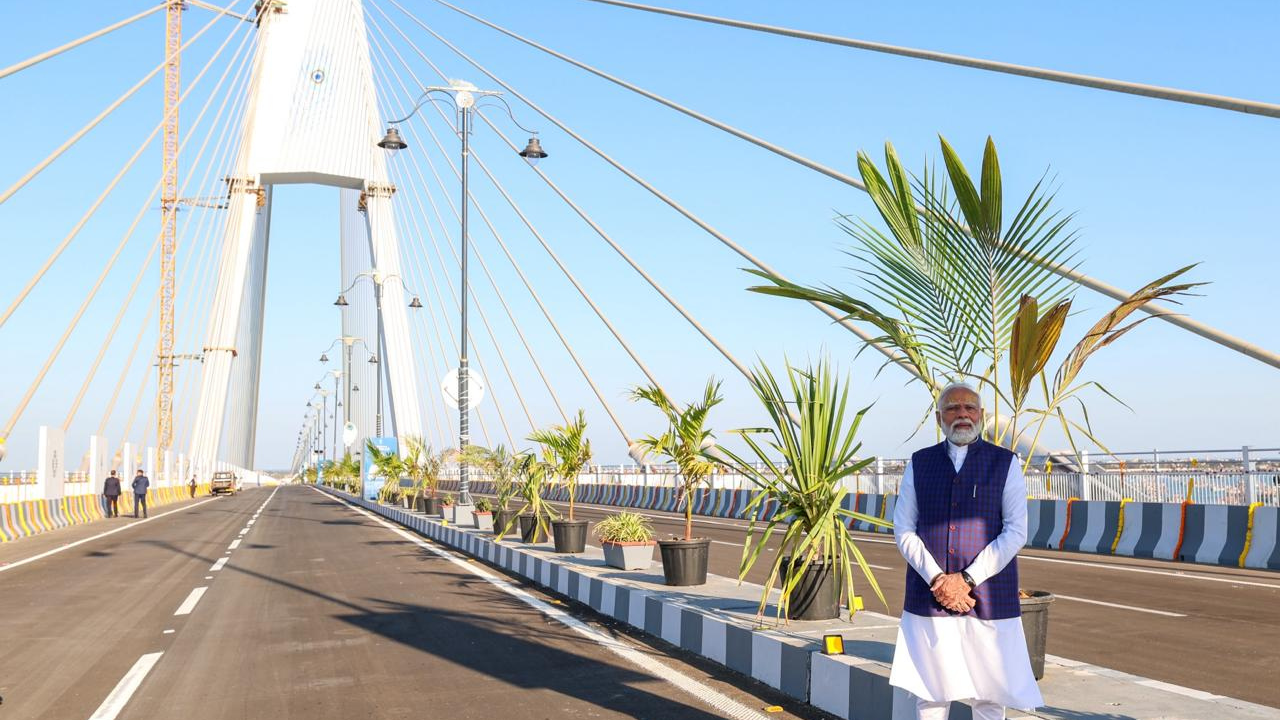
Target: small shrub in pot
(627, 539)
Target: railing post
(1086, 487)
(1250, 492)
(879, 476)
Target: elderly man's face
(960, 416)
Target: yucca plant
(685, 441)
(801, 466)
(944, 281)
(565, 451)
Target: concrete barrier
(33, 517)
(1214, 534)
(1151, 530)
(1046, 523)
(1263, 550)
(1092, 527)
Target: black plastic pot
(684, 562)
(1035, 625)
(570, 535)
(816, 596)
(429, 505)
(500, 520)
(528, 528)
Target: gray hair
(942, 396)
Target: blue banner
(370, 482)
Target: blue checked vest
(960, 513)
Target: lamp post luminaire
(377, 278)
(348, 341)
(463, 94)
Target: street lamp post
(378, 279)
(463, 95)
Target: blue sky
(1154, 186)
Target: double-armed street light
(377, 279)
(464, 97)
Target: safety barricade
(8, 524)
(1151, 530)
(1046, 522)
(1264, 540)
(1092, 527)
(1214, 534)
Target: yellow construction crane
(168, 223)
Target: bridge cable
(39, 167)
(17, 67)
(222, 159)
(22, 405)
(97, 203)
(1169, 315)
(586, 218)
(66, 424)
(1221, 102)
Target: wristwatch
(969, 580)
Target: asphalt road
(309, 609)
(1209, 628)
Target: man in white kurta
(951, 653)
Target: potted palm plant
(535, 513)
(389, 465)
(627, 540)
(504, 467)
(424, 469)
(685, 443)
(800, 465)
(484, 514)
(566, 450)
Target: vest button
(953, 527)
(951, 551)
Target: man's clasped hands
(953, 593)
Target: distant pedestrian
(111, 491)
(140, 485)
(192, 485)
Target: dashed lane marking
(124, 690)
(222, 562)
(190, 603)
(234, 544)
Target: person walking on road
(192, 485)
(111, 491)
(140, 485)
(960, 521)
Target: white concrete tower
(311, 118)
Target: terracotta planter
(628, 555)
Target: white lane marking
(168, 632)
(190, 603)
(1118, 605)
(234, 544)
(1186, 575)
(222, 562)
(249, 524)
(208, 577)
(122, 528)
(1147, 571)
(244, 531)
(704, 693)
(124, 689)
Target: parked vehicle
(224, 482)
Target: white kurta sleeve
(1013, 535)
(905, 515)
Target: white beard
(961, 436)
